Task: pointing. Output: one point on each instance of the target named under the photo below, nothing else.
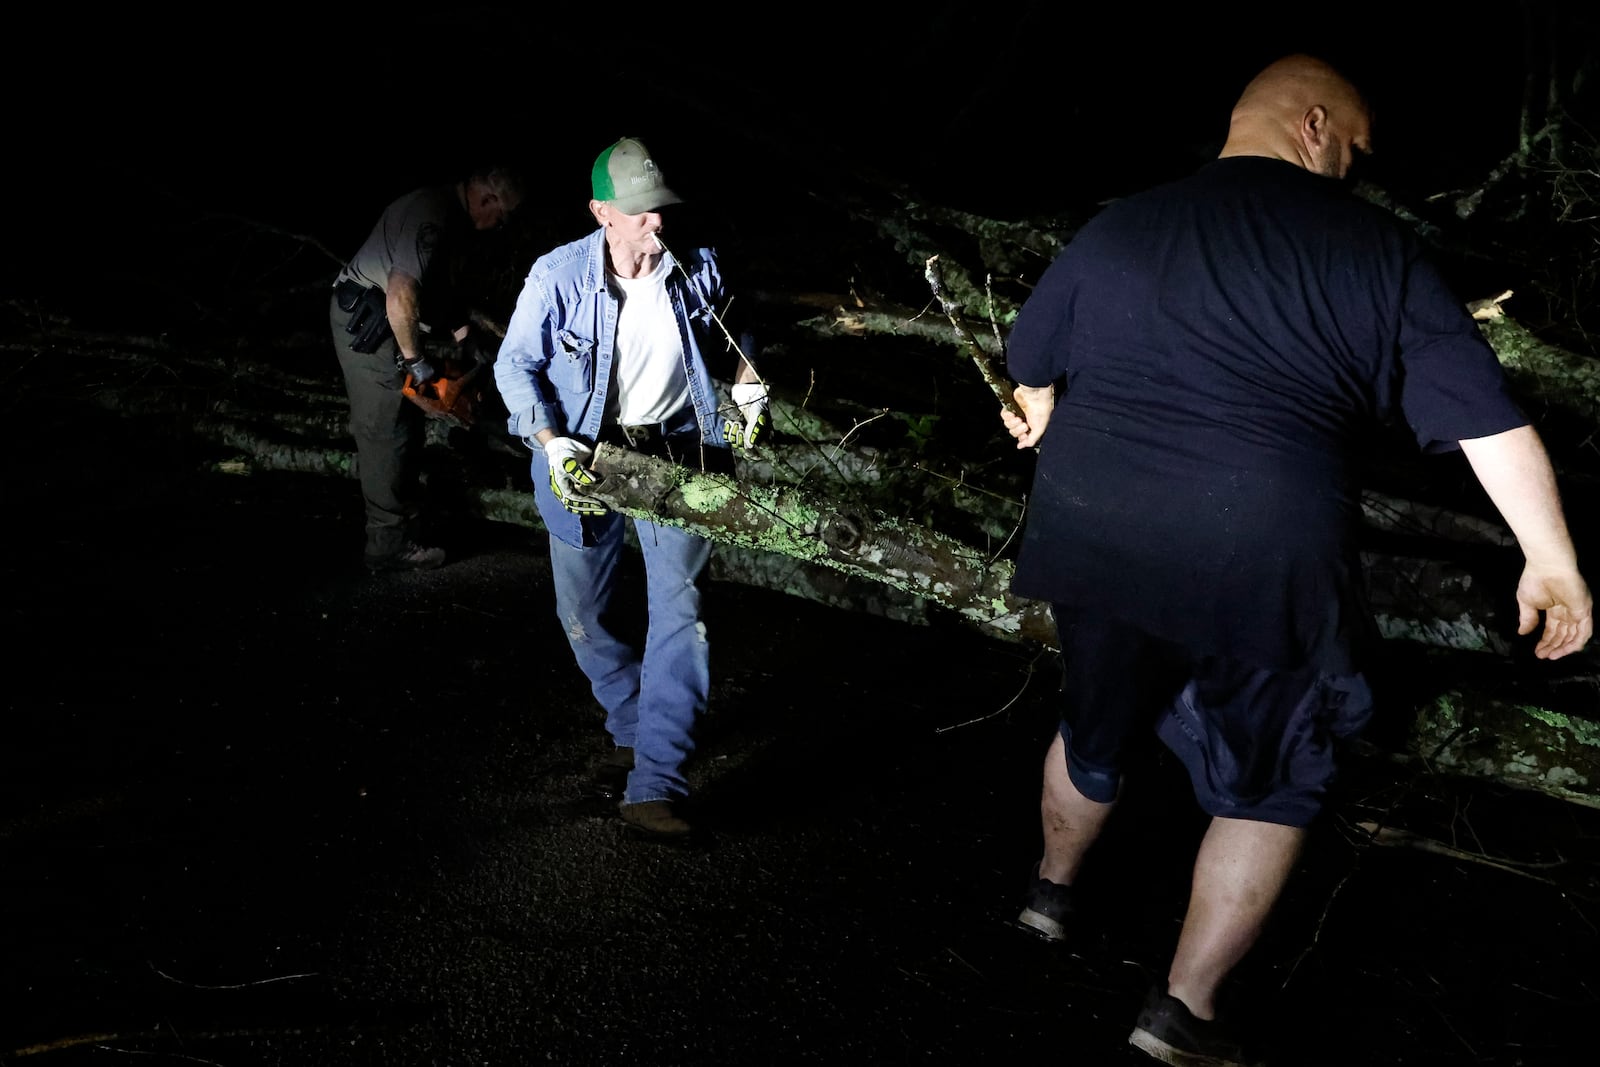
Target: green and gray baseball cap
(628, 179)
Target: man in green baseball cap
(616, 338)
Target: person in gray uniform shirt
(385, 299)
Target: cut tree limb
(791, 522)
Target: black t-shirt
(1228, 343)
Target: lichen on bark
(1520, 744)
(786, 520)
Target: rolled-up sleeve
(519, 369)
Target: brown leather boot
(655, 819)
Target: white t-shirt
(648, 383)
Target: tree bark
(791, 522)
(821, 516)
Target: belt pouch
(348, 293)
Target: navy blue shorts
(1257, 744)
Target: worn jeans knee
(652, 697)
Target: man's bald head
(1302, 110)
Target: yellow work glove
(569, 475)
(751, 425)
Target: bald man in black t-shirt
(1223, 346)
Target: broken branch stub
(952, 310)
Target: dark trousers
(1258, 744)
(388, 430)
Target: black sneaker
(1048, 911)
(410, 557)
(609, 777)
(1169, 1032)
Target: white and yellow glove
(569, 475)
(751, 426)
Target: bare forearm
(1514, 470)
(403, 302)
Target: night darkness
(307, 120)
(257, 808)
(134, 138)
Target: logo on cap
(626, 177)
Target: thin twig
(860, 423)
(1032, 665)
(236, 985)
(732, 343)
(163, 1054)
(1015, 528)
(1394, 837)
(964, 484)
(1316, 933)
(994, 324)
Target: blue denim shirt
(554, 367)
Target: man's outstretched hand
(1568, 608)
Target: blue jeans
(651, 700)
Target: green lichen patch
(706, 493)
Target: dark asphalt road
(259, 809)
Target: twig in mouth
(732, 343)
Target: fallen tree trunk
(843, 507)
(1462, 730)
(791, 522)
(856, 551)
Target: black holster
(369, 315)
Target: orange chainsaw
(453, 394)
